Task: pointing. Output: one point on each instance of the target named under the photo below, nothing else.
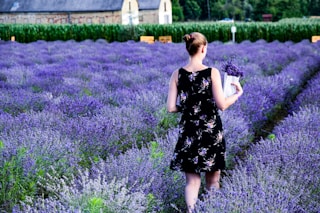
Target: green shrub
(286, 30)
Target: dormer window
(15, 6)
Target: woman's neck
(195, 63)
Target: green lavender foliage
(14, 184)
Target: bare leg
(212, 180)
(192, 189)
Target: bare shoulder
(214, 72)
(176, 72)
(174, 75)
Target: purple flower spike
(231, 69)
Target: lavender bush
(282, 171)
(237, 134)
(307, 97)
(71, 106)
(274, 91)
(85, 194)
(256, 190)
(294, 153)
(149, 165)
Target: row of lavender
(96, 100)
(65, 104)
(280, 174)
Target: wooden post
(165, 39)
(314, 39)
(148, 39)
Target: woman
(200, 146)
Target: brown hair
(194, 41)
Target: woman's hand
(239, 90)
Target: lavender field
(84, 128)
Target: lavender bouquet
(232, 74)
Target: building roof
(149, 4)
(59, 5)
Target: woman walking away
(200, 146)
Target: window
(50, 20)
(166, 19)
(89, 20)
(129, 5)
(101, 20)
(13, 20)
(165, 6)
(38, 20)
(25, 20)
(140, 18)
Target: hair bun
(193, 41)
(188, 38)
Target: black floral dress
(200, 146)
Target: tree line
(243, 10)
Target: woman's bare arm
(222, 102)
(173, 93)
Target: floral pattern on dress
(183, 97)
(204, 85)
(201, 145)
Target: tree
(205, 14)
(285, 8)
(288, 10)
(314, 7)
(177, 11)
(261, 7)
(254, 9)
(217, 11)
(192, 10)
(248, 10)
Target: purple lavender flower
(231, 69)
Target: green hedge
(215, 31)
